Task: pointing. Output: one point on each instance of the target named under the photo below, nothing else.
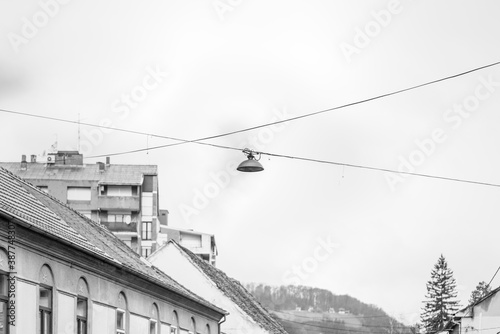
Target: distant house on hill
(246, 314)
(481, 317)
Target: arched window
(192, 330)
(174, 327)
(4, 291)
(154, 320)
(121, 314)
(45, 298)
(82, 307)
(207, 329)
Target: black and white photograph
(249, 167)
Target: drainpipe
(221, 322)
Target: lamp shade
(250, 165)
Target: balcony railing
(130, 203)
(120, 227)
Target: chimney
(101, 166)
(108, 161)
(24, 164)
(33, 158)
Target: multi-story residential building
(61, 272)
(124, 198)
(201, 244)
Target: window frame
(43, 310)
(144, 230)
(4, 298)
(80, 319)
(123, 329)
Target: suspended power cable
(342, 319)
(350, 317)
(350, 330)
(198, 140)
(288, 157)
(491, 280)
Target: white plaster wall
(176, 265)
(66, 317)
(26, 296)
(104, 319)
(486, 318)
(138, 324)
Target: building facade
(63, 273)
(246, 314)
(201, 244)
(481, 317)
(124, 198)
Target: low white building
(482, 317)
(246, 315)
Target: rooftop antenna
(78, 145)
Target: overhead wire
(342, 319)
(199, 141)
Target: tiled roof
(236, 292)
(23, 201)
(114, 174)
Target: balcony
(129, 203)
(120, 227)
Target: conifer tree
(482, 289)
(441, 302)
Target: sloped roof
(466, 311)
(113, 174)
(236, 292)
(23, 201)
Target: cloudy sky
(192, 69)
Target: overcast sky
(190, 69)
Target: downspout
(221, 322)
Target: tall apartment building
(124, 198)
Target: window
(153, 321)
(175, 323)
(4, 302)
(120, 218)
(120, 321)
(147, 204)
(121, 314)
(45, 189)
(82, 306)
(193, 326)
(81, 315)
(79, 194)
(145, 251)
(45, 310)
(146, 230)
(190, 240)
(152, 326)
(119, 190)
